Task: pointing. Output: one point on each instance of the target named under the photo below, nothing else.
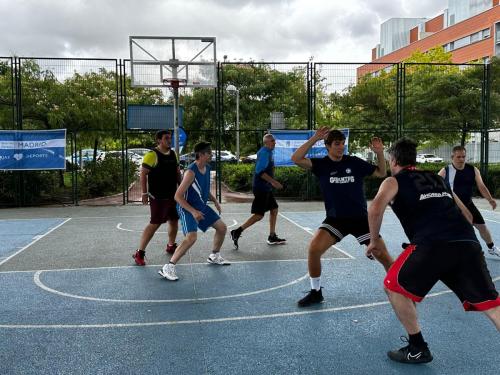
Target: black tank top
(461, 181)
(426, 209)
(162, 179)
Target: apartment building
(469, 29)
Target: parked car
(249, 159)
(227, 156)
(186, 159)
(428, 158)
(87, 155)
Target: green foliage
(104, 177)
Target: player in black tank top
(461, 178)
(444, 247)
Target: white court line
(38, 282)
(215, 320)
(161, 265)
(37, 238)
(119, 226)
(308, 230)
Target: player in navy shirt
(443, 247)
(461, 178)
(341, 181)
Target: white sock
(315, 283)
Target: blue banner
(182, 138)
(32, 149)
(288, 141)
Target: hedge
(297, 182)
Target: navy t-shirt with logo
(342, 184)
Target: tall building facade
(469, 29)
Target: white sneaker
(495, 250)
(217, 259)
(168, 272)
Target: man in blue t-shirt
(192, 197)
(263, 184)
(341, 181)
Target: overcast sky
(270, 30)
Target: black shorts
(477, 218)
(163, 210)
(341, 227)
(460, 265)
(264, 201)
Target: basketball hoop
(175, 83)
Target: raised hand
(321, 133)
(376, 145)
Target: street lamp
(233, 90)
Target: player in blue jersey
(192, 197)
(341, 181)
(461, 178)
(263, 184)
(443, 247)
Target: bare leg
(494, 315)
(273, 215)
(220, 234)
(484, 232)
(320, 243)
(185, 245)
(173, 227)
(383, 256)
(251, 221)
(405, 311)
(147, 234)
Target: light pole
(232, 89)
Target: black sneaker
(313, 297)
(235, 235)
(275, 240)
(410, 354)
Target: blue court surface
(74, 303)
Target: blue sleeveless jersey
(197, 193)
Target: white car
(227, 156)
(428, 158)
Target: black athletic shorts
(263, 201)
(163, 210)
(341, 227)
(477, 218)
(460, 265)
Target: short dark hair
(458, 148)
(160, 133)
(404, 152)
(201, 147)
(334, 135)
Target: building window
(486, 33)
(462, 42)
(476, 37)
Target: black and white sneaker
(314, 296)
(275, 240)
(235, 235)
(410, 354)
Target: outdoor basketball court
(73, 302)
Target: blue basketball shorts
(189, 224)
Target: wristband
(145, 193)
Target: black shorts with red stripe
(460, 265)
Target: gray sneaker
(168, 272)
(495, 250)
(217, 259)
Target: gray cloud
(258, 29)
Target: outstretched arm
(299, 156)
(484, 190)
(377, 147)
